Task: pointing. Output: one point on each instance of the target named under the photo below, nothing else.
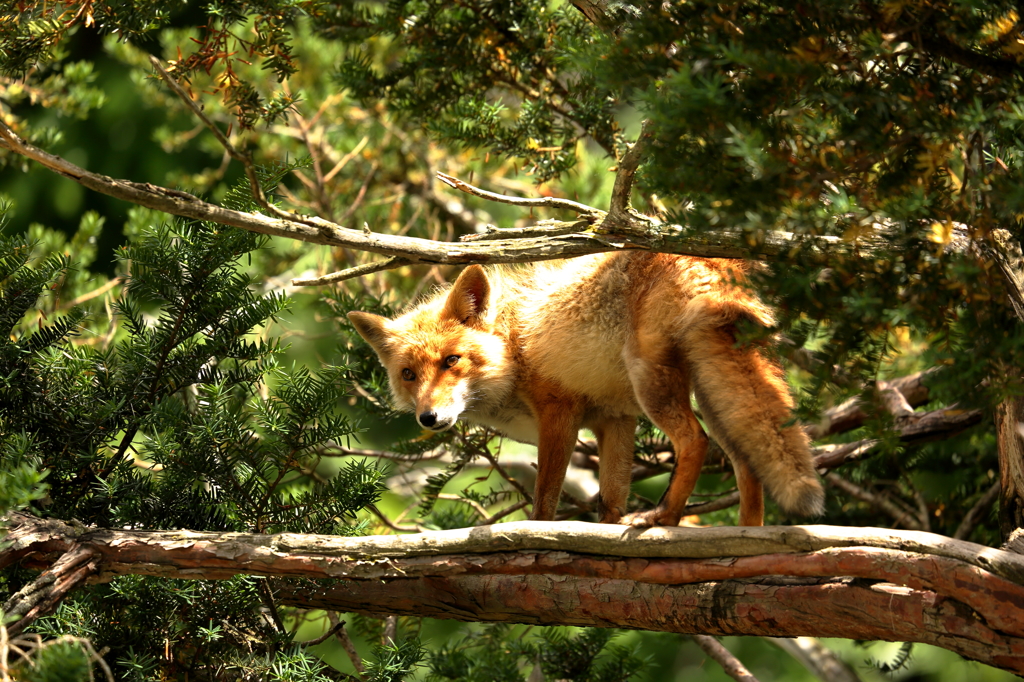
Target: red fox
(539, 352)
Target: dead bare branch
(900, 515)
(357, 271)
(622, 236)
(976, 513)
(816, 657)
(528, 202)
(732, 666)
(346, 642)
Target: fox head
(442, 357)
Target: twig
(358, 271)
(977, 512)
(549, 202)
(730, 664)
(338, 451)
(393, 526)
(817, 658)
(331, 631)
(343, 161)
(250, 171)
(544, 228)
(267, 597)
(361, 194)
(390, 634)
(477, 507)
(508, 477)
(723, 502)
(99, 291)
(506, 511)
(924, 517)
(198, 111)
(31, 644)
(346, 643)
(900, 516)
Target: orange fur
(539, 352)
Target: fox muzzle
(430, 420)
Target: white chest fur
(515, 421)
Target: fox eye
(408, 374)
(451, 360)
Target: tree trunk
(1009, 422)
(1010, 413)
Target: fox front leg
(615, 437)
(558, 417)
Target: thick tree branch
(829, 607)
(1009, 416)
(851, 413)
(778, 581)
(636, 233)
(916, 428)
(619, 210)
(44, 594)
(597, 13)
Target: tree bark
(775, 581)
(1009, 420)
(591, 234)
(1010, 413)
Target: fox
(538, 352)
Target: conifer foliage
(184, 421)
(880, 143)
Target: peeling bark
(44, 594)
(1010, 444)
(1009, 416)
(775, 581)
(768, 606)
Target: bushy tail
(745, 401)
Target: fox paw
(611, 514)
(652, 517)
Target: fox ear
(467, 300)
(373, 328)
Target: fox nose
(428, 419)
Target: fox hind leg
(663, 391)
(751, 495)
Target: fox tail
(745, 402)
